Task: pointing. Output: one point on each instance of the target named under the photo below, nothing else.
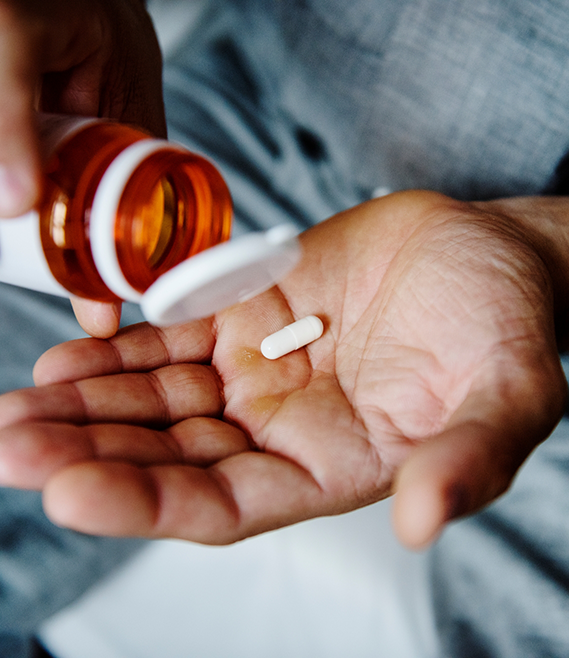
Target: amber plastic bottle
(118, 210)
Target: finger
(19, 150)
(476, 458)
(160, 398)
(32, 452)
(136, 348)
(244, 495)
(98, 319)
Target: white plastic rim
(104, 212)
(221, 276)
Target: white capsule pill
(292, 337)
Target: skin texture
(86, 57)
(437, 374)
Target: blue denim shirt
(312, 105)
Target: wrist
(543, 223)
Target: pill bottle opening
(157, 222)
(174, 205)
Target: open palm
(436, 376)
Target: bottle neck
(105, 211)
(72, 176)
(121, 208)
(156, 206)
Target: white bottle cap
(221, 276)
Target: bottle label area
(22, 262)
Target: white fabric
(336, 587)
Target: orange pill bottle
(118, 210)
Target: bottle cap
(221, 276)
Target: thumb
(475, 458)
(19, 149)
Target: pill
(292, 337)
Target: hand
(436, 376)
(87, 57)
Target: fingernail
(15, 191)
